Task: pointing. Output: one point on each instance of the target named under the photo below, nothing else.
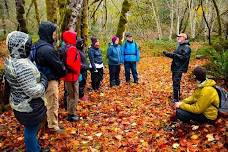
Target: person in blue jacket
(115, 59)
(131, 57)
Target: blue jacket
(95, 57)
(131, 51)
(115, 54)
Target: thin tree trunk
(37, 12)
(85, 27)
(51, 9)
(207, 24)
(178, 16)
(157, 20)
(20, 11)
(218, 18)
(171, 19)
(65, 14)
(123, 19)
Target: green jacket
(203, 100)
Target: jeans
(114, 72)
(186, 116)
(176, 77)
(82, 83)
(96, 78)
(131, 66)
(31, 141)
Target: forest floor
(127, 118)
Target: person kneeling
(201, 106)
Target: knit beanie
(200, 73)
(114, 38)
(93, 40)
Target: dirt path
(126, 118)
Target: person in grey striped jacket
(27, 88)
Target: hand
(177, 104)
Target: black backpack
(223, 98)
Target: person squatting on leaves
(131, 57)
(72, 63)
(96, 63)
(48, 63)
(115, 59)
(181, 57)
(27, 88)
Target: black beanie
(93, 40)
(200, 73)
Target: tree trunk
(157, 19)
(123, 19)
(171, 19)
(65, 14)
(85, 27)
(206, 22)
(178, 17)
(20, 11)
(51, 9)
(76, 7)
(37, 12)
(218, 18)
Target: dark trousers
(82, 83)
(131, 66)
(186, 116)
(96, 78)
(176, 77)
(114, 73)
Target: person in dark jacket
(181, 57)
(96, 63)
(131, 57)
(49, 63)
(27, 88)
(84, 67)
(115, 59)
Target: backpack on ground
(223, 98)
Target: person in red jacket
(71, 79)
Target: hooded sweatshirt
(26, 86)
(72, 57)
(204, 100)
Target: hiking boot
(58, 130)
(47, 149)
(72, 118)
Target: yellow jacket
(203, 100)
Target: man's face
(129, 38)
(54, 36)
(180, 39)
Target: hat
(93, 40)
(183, 35)
(200, 73)
(114, 38)
(128, 34)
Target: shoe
(58, 131)
(72, 118)
(47, 149)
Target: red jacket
(72, 57)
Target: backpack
(223, 98)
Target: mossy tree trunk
(123, 19)
(84, 22)
(76, 7)
(65, 14)
(36, 12)
(51, 9)
(20, 11)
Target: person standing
(27, 88)
(84, 67)
(181, 57)
(96, 63)
(131, 57)
(72, 63)
(115, 59)
(49, 64)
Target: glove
(43, 80)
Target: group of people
(33, 72)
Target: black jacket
(46, 55)
(181, 57)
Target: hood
(69, 37)
(80, 43)
(46, 30)
(19, 44)
(207, 83)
